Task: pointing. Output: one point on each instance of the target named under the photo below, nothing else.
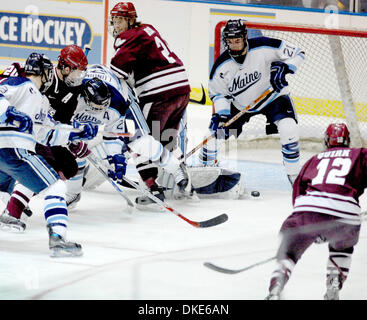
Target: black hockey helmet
(97, 95)
(234, 29)
(39, 65)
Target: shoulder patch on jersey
(264, 42)
(222, 58)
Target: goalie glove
(217, 121)
(278, 71)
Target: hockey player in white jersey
(24, 121)
(120, 99)
(246, 69)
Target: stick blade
(219, 269)
(213, 222)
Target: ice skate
(276, 287)
(272, 297)
(291, 178)
(333, 286)
(9, 223)
(146, 203)
(59, 247)
(28, 212)
(72, 202)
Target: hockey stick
(118, 134)
(203, 98)
(97, 163)
(234, 271)
(198, 224)
(87, 48)
(264, 96)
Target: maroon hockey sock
(15, 206)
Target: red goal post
(330, 86)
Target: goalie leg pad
(214, 181)
(208, 182)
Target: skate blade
(72, 207)
(193, 197)
(149, 207)
(60, 253)
(11, 229)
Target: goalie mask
(234, 37)
(74, 58)
(40, 65)
(337, 135)
(122, 17)
(97, 95)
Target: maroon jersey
(331, 183)
(157, 72)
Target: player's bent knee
(288, 130)
(147, 147)
(56, 189)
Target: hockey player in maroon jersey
(63, 96)
(159, 77)
(326, 209)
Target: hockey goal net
(329, 86)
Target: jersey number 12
(336, 175)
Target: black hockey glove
(278, 72)
(217, 121)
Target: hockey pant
(60, 159)
(281, 118)
(34, 173)
(301, 229)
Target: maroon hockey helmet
(337, 135)
(124, 9)
(74, 57)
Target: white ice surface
(157, 255)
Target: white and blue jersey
(21, 93)
(123, 98)
(113, 117)
(112, 120)
(240, 84)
